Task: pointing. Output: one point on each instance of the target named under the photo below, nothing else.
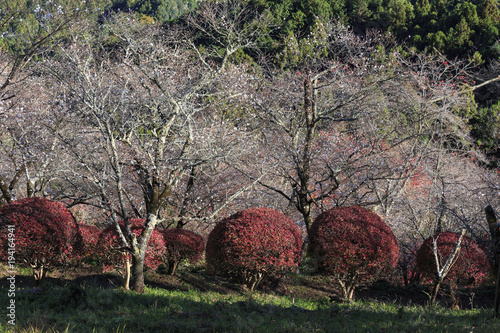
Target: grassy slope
(194, 303)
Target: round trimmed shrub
(181, 244)
(354, 245)
(112, 251)
(253, 244)
(87, 243)
(44, 233)
(470, 268)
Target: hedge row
(351, 244)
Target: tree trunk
(185, 201)
(435, 291)
(347, 291)
(441, 272)
(494, 234)
(347, 286)
(497, 295)
(455, 300)
(254, 280)
(139, 247)
(350, 293)
(39, 273)
(172, 267)
(495, 238)
(308, 220)
(304, 167)
(138, 272)
(126, 273)
(6, 187)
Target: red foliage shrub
(111, 250)
(253, 244)
(354, 245)
(87, 242)
(181, 244)
(471, 267)
(44, 233)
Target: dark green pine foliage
(161, 10)
(452, 27)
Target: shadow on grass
(88, 305)
(98, 280)
(383, 291)
(306, 287)
(181, 281)
(190, 302)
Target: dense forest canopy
(159, 10)
(455, 28)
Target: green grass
(92, 309)
(65, 306)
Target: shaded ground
(305, 286)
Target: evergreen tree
(161, 10)
(459, 37)
(422, 9)
(488, 12)
(399, 15)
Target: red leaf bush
(44, 233)
(253, 244)
(471, 267)
(112, 251)
(181, 244)
(86, 245)
(354, 245)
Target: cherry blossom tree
(30, 32)
(29, 153)
(355, 125)
(136, 99)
